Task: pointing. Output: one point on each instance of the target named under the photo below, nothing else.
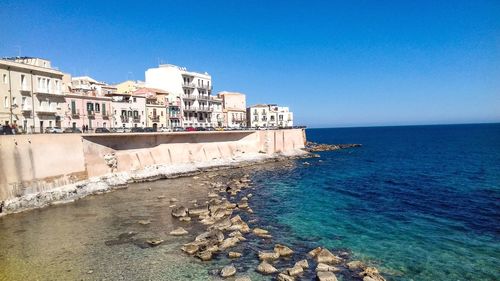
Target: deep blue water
(419, 202)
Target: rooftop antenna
(18, 50)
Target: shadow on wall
(138, 141)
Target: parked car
(210, 129)
(149, 130)
(190, 129)
(137, 130)
(121, 130)
(101, 130)
(72, 130)
(164, 130)
(178, 129)
(200, 129)
(53, 130)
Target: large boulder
(204, 255)
(326, 276)
(282, 250)
(229, 242)
(234, 255)
(190, 248)
(295, 270)
(302, 263)
(356, 265)
(228, 270)
(266, 268)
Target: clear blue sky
(346, 63)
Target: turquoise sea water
(419, 202)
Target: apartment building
(193, 90)
(128, 110)
(233, 108)
(31, 94)
(87, 103)
(156, 107)
(269, 115)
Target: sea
(418, 202)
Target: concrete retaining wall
(33, 164)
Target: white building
(269, 115)
(193, 89)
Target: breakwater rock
(316, 147)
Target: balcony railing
(188, 85)
(206, 87)
(155, 118)
(26, 107)
(124, 119)
(199, 108)
(174, 115)
(175, 104)
(75, 113)
(90, 113)
(46, 110)
(136, 119)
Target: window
(6, 102)
(97, 107)
(134, 99)
(103, 109)
(23, 101)
(48, 86)
(4, 79)
(90, 106)
(255, 112)
(23, 81)
(73, 107)
(13, 101)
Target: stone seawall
(38, 170)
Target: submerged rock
(229, 242)
(266, 268)
(243, 278)
(154, 242)
(178, 231)
(356, 265)
(144, 222)
(205, 255)
(228, 270)
(371, 273)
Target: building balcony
(189, 97)
(155, 118)
(136, 119)
(25, 90)
(26, 107)
(75, 113)
(198, 108)
(175, 104)
(174, 116)
(124, 119)
(206, 87)
(105, 115)
(188, 85)
(47, 92)
(46, 110)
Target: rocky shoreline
(221, 217)
(317, 147)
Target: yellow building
(128, 87)
(156, 107)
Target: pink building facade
(91, 111)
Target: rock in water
(205, 255)
(190, 248)
(326, 276)
(228, 270)
(326, 256)
(268, 256)
(180, 211)
(282, 250)
(154, 242)
(326, 267)
(356, 265)
(266, 268)
(372, 273)
(302, 263)
(284, 277)
(178, 231)
(295, 270)
(314, 252)
(234, 255)
(144, 222)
